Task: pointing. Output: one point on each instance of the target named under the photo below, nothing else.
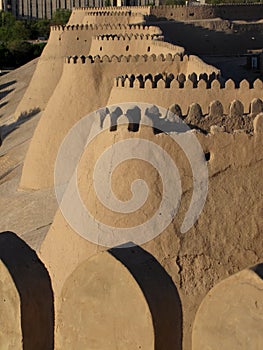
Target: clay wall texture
(145, 89)
(136, 44)
(230, 12)
(75, 78)
(174, 292)
(64, 41)
(45, 9)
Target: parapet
(137, 58)
(137, 28)
(111, 14)
(214, 121)
(188, 89)
(229, 11)
(135, 9)
(108, 13)
(171, 47)
(129, 36)
(181, 81)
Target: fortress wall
(67, 106)
(180, 12)
(203, 94)
(63, 41)
(231, 300)
(46, 76)
(186, 64)
(78, 14)
(228, 26)
(145, 10)
(230, 12)
(123, 18)
(108, 27)
(112, 294)
(135, 45)
(209, 243)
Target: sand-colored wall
(131, 46)
(78, 14)
(180, 12)
(237, 304)
(64, 41)
(67, 106)
(10, 331)
(203, 94)
(26, 297)
(228, 11)
(119, 17)
(112, 310)
(209, 251)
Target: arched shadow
(258, 269)
(34, 287)
(160, 292)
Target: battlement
(171, 47)
(168, 80)
(132, 59)
(168, 7)
(112, 14)
(126, 36)
(203, 89)
(214, 121)
(107, 26)
(141, 9)
(225, 11)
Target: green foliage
(107, 3)
(174, 2)
(217, 2)
(60, 17)
(16, 47)
(38, 28)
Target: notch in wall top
(112, 8)
(114, 14)
(108, 26)
(132, 59)
(127, 36)
(193, 81)
(215, 121)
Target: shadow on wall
(4, 92)
(202, 41)
(7, 129)
(258, 269)
(160, 292)
(5, 85)
(34, 288)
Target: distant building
(255, 59)
(45, 8)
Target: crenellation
(215, 109)
(258, 84)
(194, 114)
(128, 58)
(128, 73)
(108, 26)
(256, 107)
(258, 124)
(236, 109)
(129, 37)
(232, 121)
(107, 8)
(197, 91)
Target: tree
(61, 17)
